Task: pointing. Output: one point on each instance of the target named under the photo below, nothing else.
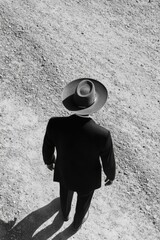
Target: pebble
(148, 207)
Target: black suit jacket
(80, 143)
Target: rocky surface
(45, 44)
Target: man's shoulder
(100, 129)
(56, 120)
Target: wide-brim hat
(84, 96)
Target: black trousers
(82, 204)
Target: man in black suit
(82, 146)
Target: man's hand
(108, 182)
(51, 166)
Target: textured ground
(45, 44)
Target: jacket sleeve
(107, 158)
(48, 147)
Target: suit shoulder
(52, 121)
(56, 120)
(102, 130)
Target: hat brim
(68, 93)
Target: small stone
(148, 208)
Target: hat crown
(85, 94)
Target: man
(81, 147)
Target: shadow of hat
(84, 96)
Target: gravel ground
(45, 44)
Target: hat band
(87, 105)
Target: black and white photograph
(79, 119)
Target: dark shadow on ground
(26, 229)
(66, 234)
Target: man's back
(80, 143)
